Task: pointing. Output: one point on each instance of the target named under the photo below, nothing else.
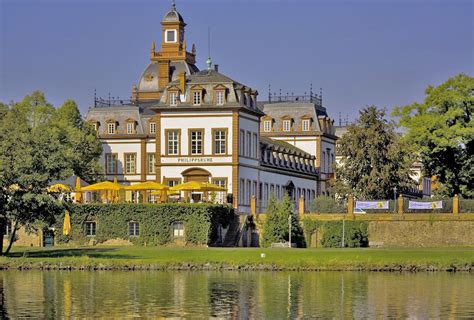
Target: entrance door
(48, 238)
(198, 175)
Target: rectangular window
(242, 143)
(249, 144)
(151, 161)
(171, 182)
(323, 164)
(133, 229)
(90, 227)
(221, 182)
(197, 98)
(196, 137)
(305, 125)
(220, 98)
(249, 192)
(130, 128)
(111, 160)
(242, 191)
(267, 126)
(178, 229)
(220, 141)
(255, 146)
(130, 163)
(172, 142)
(173, 99)
(111, 128)
(152, 127)
(170, 36)
(96, 126)
(286, 125)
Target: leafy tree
(276, 225)
(326, 204)
(83, 148)
(37, 147)
(374, 159)
(442, 131)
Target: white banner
(371, 205)
(425, 205)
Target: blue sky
(360, 52)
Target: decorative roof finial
(173, 5)
(209, 63)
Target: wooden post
(301, 207)
(253, 205)
(350, 206)
(456, 204)
(400, 204)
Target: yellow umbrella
(197, 186)
(67, 224)
(104, 185)
(148, 185)
(59, 187)
(78, 190)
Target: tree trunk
(3, 225)
(12, 238)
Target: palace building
(183, 124)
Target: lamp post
(395, 199)
(289, 231)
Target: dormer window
(305, 124)
(152, 127)
(111, 128)
(267, 125)
(173, 99)
(130, 127)
(220, 98)
(286, 125)
(170, 36)
(197, 95)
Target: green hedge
(355, 233)
(155, 222)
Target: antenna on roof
(95, 97)
(321, 96)
(340, 120)
(209, 61)
(269, 92)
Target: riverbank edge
(115, 266)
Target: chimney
(216, 67)
(182, 81)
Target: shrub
(355, 234)
(275, 228)
(326, 204)
(155, 221)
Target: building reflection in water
(234, 295)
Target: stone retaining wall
(421, 233)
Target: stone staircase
(233, 234)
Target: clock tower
(167, 63)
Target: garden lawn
(162, 258)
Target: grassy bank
(157, 258)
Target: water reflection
(234, 295)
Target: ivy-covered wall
(330, 233)
(155, 221)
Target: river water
(236, 295)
